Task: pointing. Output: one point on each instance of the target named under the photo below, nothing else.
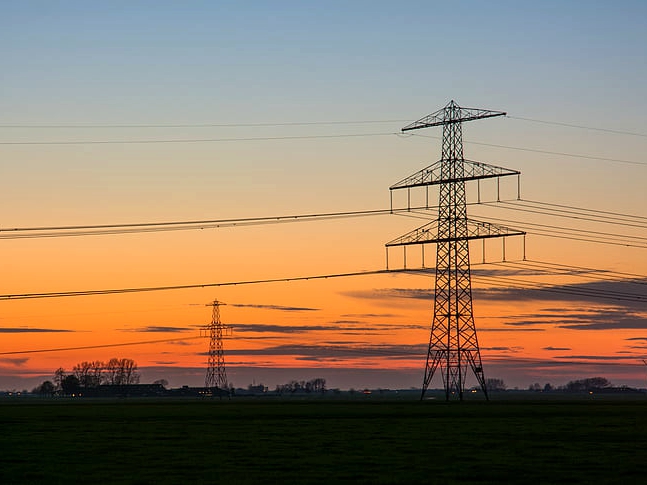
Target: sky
(148, 111)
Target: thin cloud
(556, 349)
(272, 328)
(159, 329)
(597, 357)
(624, 293)
(336, 327)
(275, 307)
(592, 318)
(503, 349)
(338, 351)
(15, 361)
(33, 330)
(370, 315)
(391, 293)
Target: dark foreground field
(169, 441)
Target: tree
(59, 375)
(70, 385)
(161, 382)
(589, 384)
(121, 372)
(88, 373)
(47, 388)
(493, 384)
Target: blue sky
(194, 61)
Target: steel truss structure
(453, 344)
(216, 377)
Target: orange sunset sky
(140, 112)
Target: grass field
(318, 441)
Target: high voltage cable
(100, 346)
(97, 229)
(581, 127)
(558, 232)
(582, 217)
(545, 229)
(60, 294)
(578, 272)
(289, 123)
(606, 235)
(23, 296)
(630, 216)
(369, 351)
(205, 125)
(562, 289)
(195, 140)
(547, 152)
(525, 284)
(113, 291)
(584, 268)
(306, 137)
(141, 227)
(582, 213)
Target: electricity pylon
(216, 374)
(453, 344)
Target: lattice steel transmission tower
(216, 377)
(453, 344)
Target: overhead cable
(581, 127)
(112, 291)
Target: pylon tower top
(452, 113)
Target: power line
(547, 152)
(586, 292)
(581, 213)
(306, 137)
(142, 227)
(195, 140)
(202, 125)
(573, 234)
(562, 289)
(584, 268)
(61, 294)
(565, 289)
(569, 125)
(288, 123)
(100, 229)
(584, 209)
(578, 271)
(101, 346)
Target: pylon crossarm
(422, 235)
(452, 113)
(428, 233)
(432, 175)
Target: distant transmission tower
(216, 377)
(453, 345)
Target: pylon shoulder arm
(475, 230)
(432, 175)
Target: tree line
(579, 385)
(89, 374)
(313, 385)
